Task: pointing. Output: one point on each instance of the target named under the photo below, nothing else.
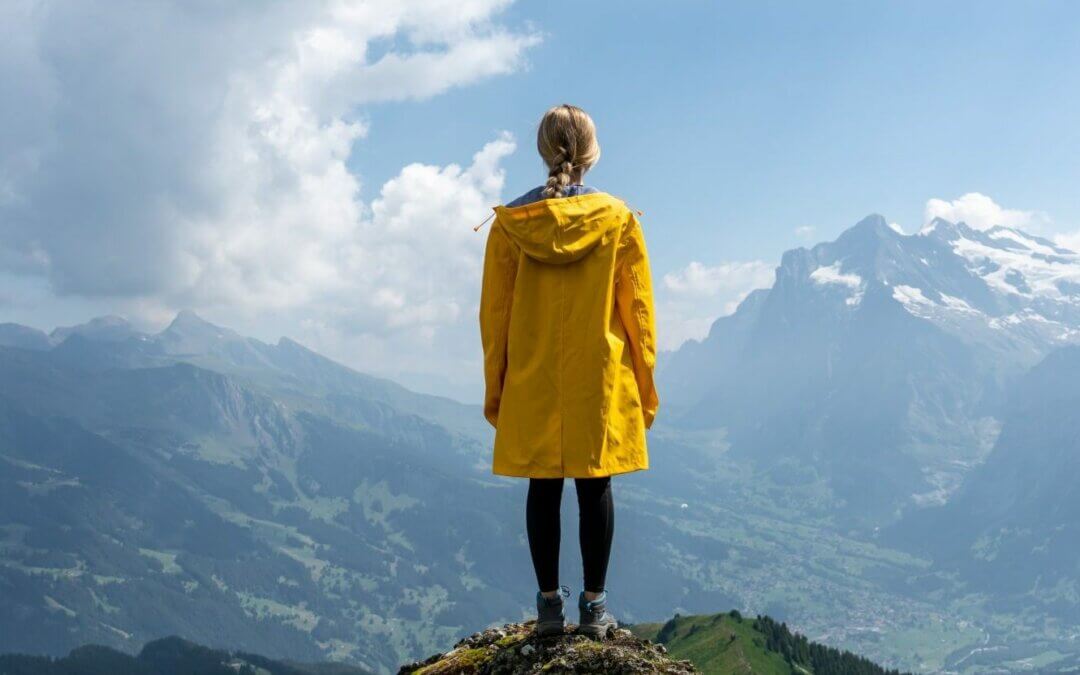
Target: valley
(830, 455)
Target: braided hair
(566, 140)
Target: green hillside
(729, 644)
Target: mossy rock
(514, 649)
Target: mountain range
(876, 450)
(256, 497)
(919, 390)
(880, 363)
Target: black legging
(597, 524)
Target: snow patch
(1019, 238)
(953, 302)
(910, 297)
(831, 275)
(1020, 272)
(915, 302)
(53, 606)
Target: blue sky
(732, 124)
(314, 169)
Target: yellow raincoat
(567, 324)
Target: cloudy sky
(314, 169)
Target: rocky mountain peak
(24, 337)
(189, 323)
(515, 648)
(190, 333)
(860, 249)
(101, 329)
(945, 230)
(873, 225)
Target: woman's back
(567, 291)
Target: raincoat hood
(563, 230)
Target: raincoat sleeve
(496, 298)
(634, 301)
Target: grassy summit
(514, 649)
(729, 643)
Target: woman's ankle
(593, 595)
(550, 595)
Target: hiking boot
(550, 617)
(595, 622)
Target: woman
(566, 320)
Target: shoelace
(564, 592)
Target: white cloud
(982, 213)
(1069, 240)
(167, 155)
(805, 231)
(689, 300)
(703, 280)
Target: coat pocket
(616, 359)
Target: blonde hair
(566, 140)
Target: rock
(514, 649)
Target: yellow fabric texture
(569, 334)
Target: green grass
(718, 643)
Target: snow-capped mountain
(877, 363)
(1030, 286)
(999, 287)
